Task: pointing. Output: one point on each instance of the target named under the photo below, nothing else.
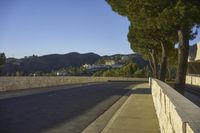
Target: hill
(123, 58)
(47, 63)
(55, 62)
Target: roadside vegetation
(128, 70)
(74, 64)
(156, 26)
(2, 60)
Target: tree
(146, 27)
(144, 20)
(130, 69)
(150, 41)
(148, 49)
(2, 59)
(188, 17)
(172, 63)
(171, 16)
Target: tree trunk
(155, 64)
(183, 52)
(163, 66)
(169, 73)
(150, 64)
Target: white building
(110, 62)
(88, 66)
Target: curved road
(63, 109)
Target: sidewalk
(136, 115)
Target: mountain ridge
(47, 63)
(52, 62)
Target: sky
(43, 27)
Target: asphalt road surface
(193, 94)
(61, 110)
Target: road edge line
(120, 102)
(107, 127)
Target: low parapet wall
(193, 80)
(175, 113)
(15, 83)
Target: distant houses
(108, 64)
(90, 69)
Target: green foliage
(2, 58)
(165, 13)
(158, 20)
(18, 73)
(146, 34)
(119, 6)
(101, 61)
(155, 22)
(98, 73)
(140, 73)
(128, 70)
(69, 71)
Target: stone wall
(15, 83)
(193, 80)
(175, 113)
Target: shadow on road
(71, 110)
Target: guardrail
(175, 113)
(16, 83)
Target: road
(193, 94)
(59, 110)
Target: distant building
(109, 62)
(86, 66)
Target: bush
(129, 70)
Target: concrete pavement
(137, 114)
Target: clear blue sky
(42, 27)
